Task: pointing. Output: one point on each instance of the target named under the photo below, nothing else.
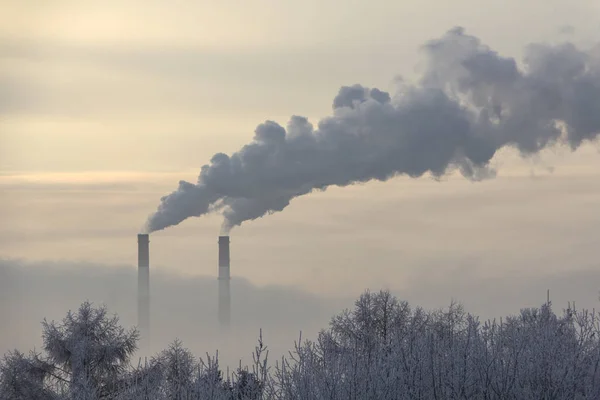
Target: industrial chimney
(224, 280)
(144, 283)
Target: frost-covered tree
(84, 357)
(381, 349)
(246, 386)
(175, 374)
(25, 377)
(384, 350)
(90, 350)
(179, 368)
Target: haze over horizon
(105, 107)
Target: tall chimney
(224, 280)
(144, 283)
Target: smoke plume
(469, 103)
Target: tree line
(382, 348)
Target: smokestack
(224, 279)
(144, 283)
(224, 257)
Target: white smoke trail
(469, 103)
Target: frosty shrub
(380, 349)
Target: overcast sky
(104, 107)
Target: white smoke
(469, 103)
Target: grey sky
(104, 107)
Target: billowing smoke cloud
(469, 103)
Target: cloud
(566, 30)
(182, 307)
(185, 307)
